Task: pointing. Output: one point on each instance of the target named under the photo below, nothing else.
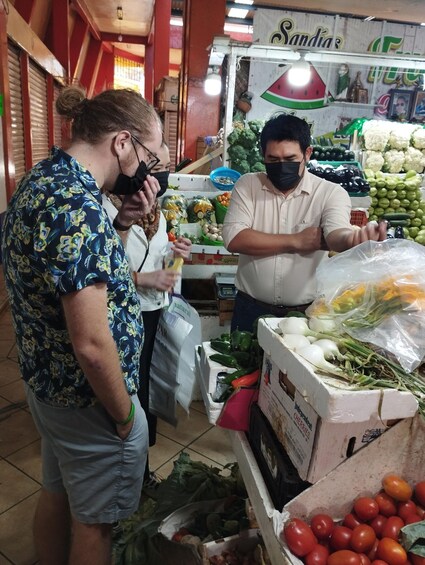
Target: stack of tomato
(224, 198)
(368, 535)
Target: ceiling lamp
(300, 72)
(212, 84)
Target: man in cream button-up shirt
(282, 223)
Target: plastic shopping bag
(376, 293)
(173, 359)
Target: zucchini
(396, 216)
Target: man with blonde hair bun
(78, 321)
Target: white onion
(294, 341)
(294, 325)
(329, 348)
(319, 324)
(314, 355)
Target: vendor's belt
(279, 310)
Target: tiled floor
(20, 467)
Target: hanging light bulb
(300, 72)
(212, 84)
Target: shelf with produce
(357, 104)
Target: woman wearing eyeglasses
(78, 319)
(147, 247)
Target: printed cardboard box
(399, 451)
(318, 420)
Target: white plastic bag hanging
(376, 293)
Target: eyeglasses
(154, 158)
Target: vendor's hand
(182, 247)
(371, 231)
(124, 431)
(163, 280)
(308, 240)
(136, 205)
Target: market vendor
(283, 223)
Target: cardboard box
(167, 94)
(244, 543)
(399, 451)
(319, 420)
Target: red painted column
(9, 167)
(59, 39)
(78, 35)
(161, 41)
(50, 105)
(24, 9)
(149, 72)
(105, 76)
(91, 66)
(26, 112)
(198, 113)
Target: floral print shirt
(57, 239)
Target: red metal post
(50, 107)
(26, 111)
(77, 41)
(161, 41)
(9, 167)
(91, 66)
(24, 9)
(199, 31)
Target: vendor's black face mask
(162, 178)
(284, 175)
(129, 185)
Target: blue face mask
(284, 175)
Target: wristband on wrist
(119, 226)
(129, 417)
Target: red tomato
(391, 552)
(322, 526)
(378, 524)
(392, 527)
(387, 505)
(351, 521)
(344, 557)
(319, 556)
(364, 559)
(363, 538)
(299, 537)
(406, 508)
(372, 552)
(412, 518)
(397, 487)
(340, 538)
(366, 508)
(420, 493)
(379, 562)
(420, 511)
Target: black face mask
(284, 175)
(162, 178)
(129, 185)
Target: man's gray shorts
(83, 455)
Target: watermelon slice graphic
(308, 97)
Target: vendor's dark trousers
(247, 309)
(150, 322)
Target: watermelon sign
(308, 97)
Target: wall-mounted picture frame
(400, 105)
(418, 107)
(362, 96)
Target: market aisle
(20, 467)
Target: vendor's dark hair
(109, 111)
(284, 127)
